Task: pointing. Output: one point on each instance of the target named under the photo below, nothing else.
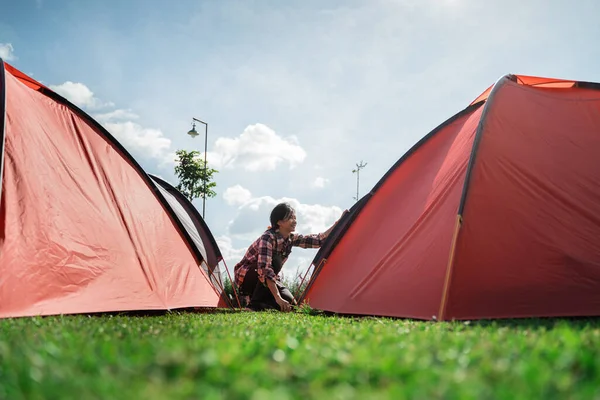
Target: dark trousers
(262, 298)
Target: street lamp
(193, 134)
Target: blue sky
(295, 92)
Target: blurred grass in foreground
(295, 356)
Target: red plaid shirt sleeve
(265, 259)
(308, 241)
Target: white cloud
(253, 216)
(258, 148)
(295, 266)
(7, 52)
(314, 218)
(80, 95)
(229, 252)
(143, 142)
(140, 141)
(116, 115)
(236, 195)
(320, 182)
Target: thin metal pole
(316, 271)
(357, 171)
(357, 182)
(205, 170)
(205, 164)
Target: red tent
(82, 227)
(494, 214)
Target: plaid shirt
(260, 253)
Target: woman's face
(288, 225)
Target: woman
(257, 274)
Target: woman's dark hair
(281, 212)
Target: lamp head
(192, 132)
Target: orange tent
(82, 227)
(494, 214)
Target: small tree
(192, 175)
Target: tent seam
(473, 156)
(363, 201)
(2, 120)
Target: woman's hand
(281, 302)
(328, 231)
(284, 305)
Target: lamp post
(193, 134)
(357, 172)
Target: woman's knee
(286, 294)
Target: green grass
(295, 356)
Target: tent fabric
(24, 79)
(530, 81)
(81, 227)
(347, 218)
(407, 236)
(493, 215)
(196, 228)
(532, 216)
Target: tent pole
(304, 277)
(2, 120)
(315, 273)
(463, 199)
(442, 311)
(232, 285)
(220, 285)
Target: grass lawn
(295, 356)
